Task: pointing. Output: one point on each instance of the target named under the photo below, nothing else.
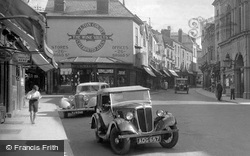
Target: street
(207, 128)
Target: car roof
(92, 83)
(122, 89)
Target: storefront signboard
(5, 55)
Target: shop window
(122, 81)
(65, 76)
(106, 75)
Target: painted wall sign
(60, 50)
(87, 33)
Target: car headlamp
(129, 116)
(160, 113)
(85, 98)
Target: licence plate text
(151, 139)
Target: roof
(89, 8)
(92, 83)
(123, 89)
(91, 59)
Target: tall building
(208, 63)
(23, 47)
(96, 40)
(232, 42)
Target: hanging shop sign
(5, 55)
(22, 58)
(90, 37)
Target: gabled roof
(89, 8)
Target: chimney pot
(102, 6)
(59, 5)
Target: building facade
(23, 47)
(97, 40)
(232, 27)
(208, 57)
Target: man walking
(33, 96)
(232, 89)
(219, 89)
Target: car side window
(105, 100)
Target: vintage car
(181, 84)
(83, 100)
(124, 117)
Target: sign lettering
(85, 34)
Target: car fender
(92, 102)
(164, 122)
(95, 118)
(122, 125)
(65, 103)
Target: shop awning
(30, 26)
(149, 71)
(173, 73)
(165, 73)
(156, 72)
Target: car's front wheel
(98, 138)
(119, 146)
(169, 140)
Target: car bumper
(147, 134)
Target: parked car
(124, 117)
(181, 84)
(83, 100)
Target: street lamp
(228, 61)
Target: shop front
(73, 72)
(22, 45)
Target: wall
(71, 37)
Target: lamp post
(228, 61)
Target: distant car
(181, 84)
(124, 117)
(83, 100)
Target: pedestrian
(33, 96)
(232, 90)
(219, 89)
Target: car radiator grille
(145, 119)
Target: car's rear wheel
(119, 146)
(169, 140)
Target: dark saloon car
(181, 84)
(124, 117)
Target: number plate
(151, 139)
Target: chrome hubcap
(117, 141)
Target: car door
(105, 110)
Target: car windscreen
(89, 88)
(181, 81)
(119, 97)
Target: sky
(174, 13)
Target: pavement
(224, 98)
(49, 126)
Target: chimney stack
(59, 5)
(180, 35)
(102, 6)
(166, 34)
